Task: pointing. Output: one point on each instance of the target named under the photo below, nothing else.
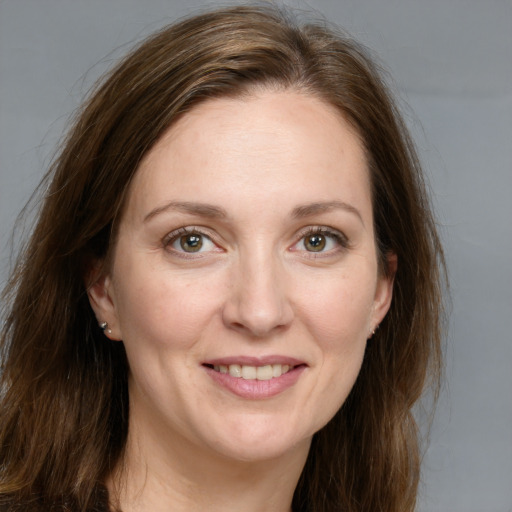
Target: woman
(231, 298)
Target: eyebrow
(216, 212)
(316, 208)
(201, 209)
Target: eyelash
(337, 236)
(174, 236)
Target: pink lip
(254, 361)
(256, 389)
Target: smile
(265, 372)
(255, 378)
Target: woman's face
(244, 281)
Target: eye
(321, 240)
(316, 242)
(190, 241)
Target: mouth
(249, 372)
(255, 378)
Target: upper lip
(254, 361)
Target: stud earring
(104, 327)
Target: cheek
(338, 316)
(165, 311)
(339, 310)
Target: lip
(255, 389)
(254, 361)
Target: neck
(177, 475)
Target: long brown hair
(64, 403)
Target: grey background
(451, 61)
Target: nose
(258, 303)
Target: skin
(256, 288)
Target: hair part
(64, 397)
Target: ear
(384, 292)
(101, 297)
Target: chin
(262, 450)
(253, 442)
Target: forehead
(257, 147)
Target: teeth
(266, 372)
(235, 370)
(249, 372)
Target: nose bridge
(259, 302)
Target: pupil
(191, 243)
(315, 243)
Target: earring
(104, 327)
(372, 334)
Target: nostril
(257, 314)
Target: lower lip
(256, 389)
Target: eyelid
(188, 230)
(338, 236)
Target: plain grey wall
(452, 64)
